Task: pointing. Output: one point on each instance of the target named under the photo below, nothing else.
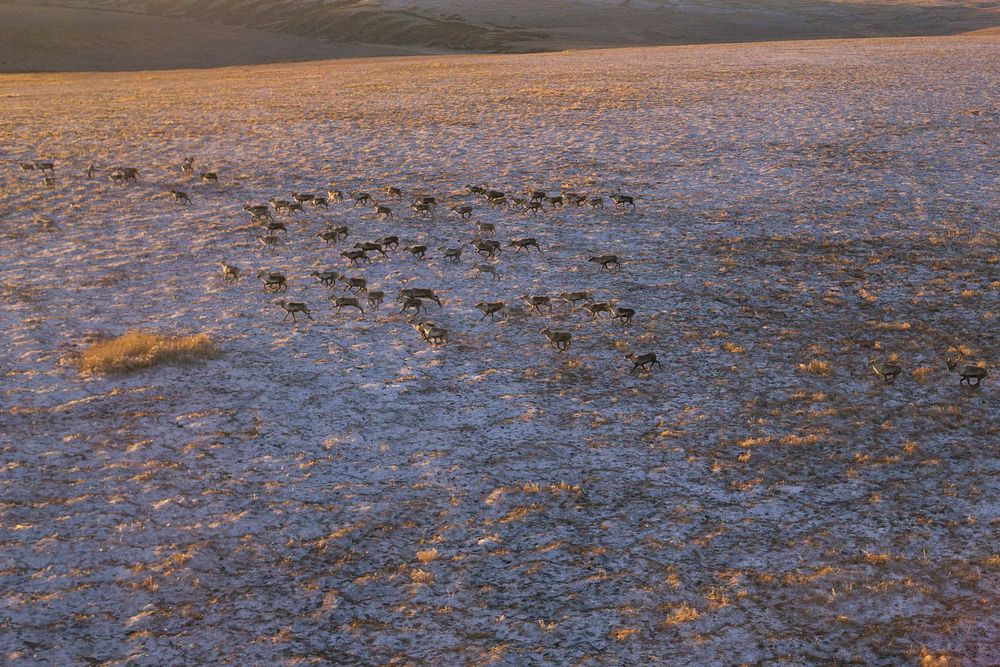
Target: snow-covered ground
(340, 492)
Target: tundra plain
(338, 491)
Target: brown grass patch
(685, 613)
(817, 367)
(421, 577)
(755, 442)
(876, 558)
(427, 556)
(144, 349)
(624, 633)
(800, 440)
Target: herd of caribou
(414, 299)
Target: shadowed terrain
(46, 36)
(70, 39)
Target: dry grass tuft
(876, 558)
(817, 367)
(427, 556)
(624, 633)
(755, 442)
(144, 349)
(800, 440)
(682, 614)
(929, 659)
(421, 577)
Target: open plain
(339, 491)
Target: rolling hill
(120, 34)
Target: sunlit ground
(337, 491)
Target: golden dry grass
(427, 556)
(624, 633)
(421, 577)
(683, 613)
(143, 349)
(817, 367)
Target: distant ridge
(126, 34)
(57, 39)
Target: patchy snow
(796, 203)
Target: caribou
(595, 309)
(273, 282)
(356, 285)
(230, 273)
(371, 247)
(293, 307)
(886, 371)
(968, 374)
(258, 211)
(431, 333)
(180, 196)
(491, 309)
(525, 244)
(417, 251)
(606, 262)
(487, 268)
(623, 315)
(268, 242)
(572, 297)
(327, 278)
(623, 201)
(329, 235)
(488, 248)
(535, 302)
(273, 226)
(422, 293)
(559, 340)
(347, 302)
(454, 254)
(355, 255)
(388, 242)
(643, 361)
(422, 209)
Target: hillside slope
(55, 39)
(490, 26)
